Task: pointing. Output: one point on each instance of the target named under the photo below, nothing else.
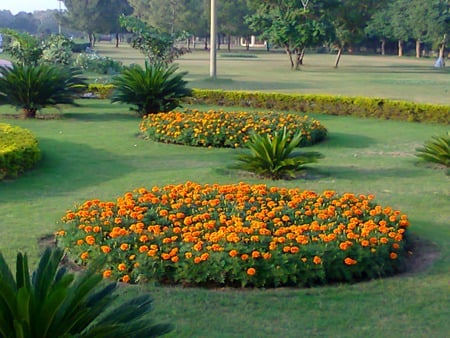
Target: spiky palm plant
(436, 150)
(272, 156)
(55, 303)
(153, 89)
(32, 88)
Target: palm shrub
(32, 88)
(55, 303)
(153, 89)
(272, 156)
(436, 150)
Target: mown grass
(93, 151)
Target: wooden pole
(213, 54)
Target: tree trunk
(229, 43)
(117, 40)
(247, 43)
(289, 53)
(206, 43)
(400, 48)
(383, 47)
(29, 113)
(302, 56)
(338, 57)
(418, 48)
(218, 41)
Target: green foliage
(57, 49)
(157, 46)
(101, 91)
(327, 104)
(156, 88)
(32, 88)
(272, 155)
(23, 47)
(226, 129)
(55, 303)
(436, 150)
(19, 151)
(92, 62)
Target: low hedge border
(19, 151)
(312, 103)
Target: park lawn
(93, 151)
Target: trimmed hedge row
(19, 151)
(327, 104)
(312, 103)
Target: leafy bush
(237, 234)
(436, 150)
(80, 47)
(272, 155)
(32, 88)
(327, 104)
(91, 62)
(19, 151)
(226, 129)
(156, 88)
(23, 47)
(57, 50)
(55, 303)
(101, 91)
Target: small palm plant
(272, 156)
(153, 89)
(55, 303)
(436, 150)
(32, 88)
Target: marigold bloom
(365, 242)
(107, 273)
(143, 248)
(317, 260)
(80, 242)
(188, 255)
(349, 261)
(256, 254)
(393, 255)
(174, 259)
(251, 271)
(90, 240)
(197, 260)
(233, 253)
(106, 249)
(121, 267)
(244, 257)
(84, 255)
(124, 246)
(126, 279)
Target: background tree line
(292, 25)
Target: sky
(16, 6)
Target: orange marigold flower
(107, 273)
(204, 256)
(124, 246)
(317, 260)
(365, 242)
(384, 240)
(165, 256)
(188, 255)
(106, 249)
(143, 248)
(267, 255)
(90, 240)
(350, 261)
(256, 254)
(251, 271)
(233, 253)
(174, 259)
(126, 279)
(84, 255)
(163, 212)
(343, 246)
(151, 253)
(395, 245)
(244, 257)
(121, 267)
(132, 257)
(294, 249)
(96, 229)
(80, 242)
(393, 255)
(197, 260)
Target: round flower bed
(226, 129)
(237, 235)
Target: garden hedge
(19, 151)
(313, 103)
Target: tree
(231, 18)
(110, 20)
(380, 26)
(23, 47)
(293, 25)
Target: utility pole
(213, 55)
(59, 21)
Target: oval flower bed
(236, 235)
(226, 129)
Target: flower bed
(237, 235)
(226, 129)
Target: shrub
(91, 62)
(57, 49)
(19, 151)
(32, 88)
(55, 303)
(327, 104)
(226, 129)
(436, 150)
(272, 155)
(101, 91)
(156, 88)
(237, 235)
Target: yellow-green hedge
(19, 151)
(327, 104)
(312, 103)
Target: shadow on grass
(351, 171)
(102, 116)
(346, 140)
(65, 167)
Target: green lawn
(93, 151)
